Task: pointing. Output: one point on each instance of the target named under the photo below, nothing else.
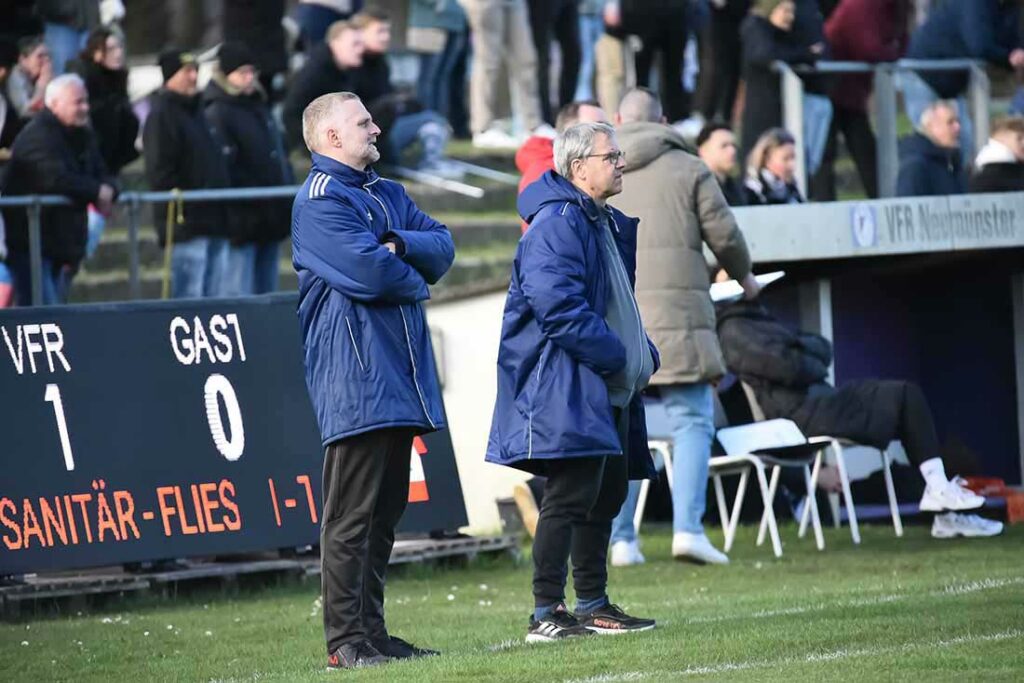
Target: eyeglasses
(612, 158)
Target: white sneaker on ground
(442, 168)
(951, 525)
(495, 138)
(544, 130)
(951, 497)
(696, 548)
(626, 553)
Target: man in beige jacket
(681, 208)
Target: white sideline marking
(810, 658)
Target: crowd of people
(549, 55)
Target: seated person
(402, 117)
(930, 162)
(787, 369)
(716, 147)
(1000, 163)
(771, 170)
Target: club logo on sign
(864, 226)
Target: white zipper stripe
(415, 372)
(387, 216)
(355, 347)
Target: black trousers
(719, 79)
(860, 140)
(665, 35)
(581, 498)
(560, 19)
(366, 487)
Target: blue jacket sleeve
(427, 245)
(552, 277)
(331, 241)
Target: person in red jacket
(861, 31)
(537, 155)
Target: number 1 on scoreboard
(52, 395)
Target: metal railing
(885, 109)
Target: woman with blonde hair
(771, 170)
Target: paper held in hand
(730, 290)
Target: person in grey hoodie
(681, 208)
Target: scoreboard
(144, 431)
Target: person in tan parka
(681, 208)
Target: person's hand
(818, 48)
(45, 74)
(612, 14)
(751, 288)
(105, 199)
(1017, 58)
(390, 246)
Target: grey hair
(58, 84)
(640, 104)
(318, 111)
(930, 111)
(577, 142)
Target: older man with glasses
(572, 361)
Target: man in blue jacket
(930, 158)
(572, 361)
(364, 254)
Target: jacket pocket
(355, 344)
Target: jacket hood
(994, 152)
(643, 142)
(536, 150)
(920, 145)
(343, 172)
(552, 188)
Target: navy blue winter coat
(556, 348)
(928, 170)
(965, 29)
(368, 357)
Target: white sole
(538, 638)
(936, 508)
(618, 631)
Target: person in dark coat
(10, 122)
(331, 67)
(788, 369)
(558, 21)
(986, 30)
(236, 106)
(771, 175)
(1000, 163)
(721, 52)
(56, 153)
(101, 65)
(256, 24)
(716, 147)
(767, 38)
(183, 151)
(930, 158)
(572, 360)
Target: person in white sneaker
(953, 524)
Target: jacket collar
(346, 174)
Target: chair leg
(723, 509)
(833, 498)
(812, 503)
(805, 514)
(666, 456)
(894, 504)
(769, 500)
(771, 492)
(851, 508)
(737, 505)
(641, 502)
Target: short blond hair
(337, 28)
(318, 111)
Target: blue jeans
(56, 280)
(591, 28)
(406, 130)
(251, 269)
(436, 81)
(690, 409)
(64, 44)
(917, 95)
(198, 267)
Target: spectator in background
(315, 17)
(680, 208)
(182, 151)
(716, 146)
(500, 30)
(439, 32)
(1000, 163)
(256, 24)
(860, 31)
(56, 153)
(930, 159)
(30, 76)
(10, 122)
(721, 52)
(768, 37)
(591, 26)
(558, 19)
(771, 170)
(404, 118)
(331, 67)
(67, 25)
(980, 29)
(236, 106)
(662, 28)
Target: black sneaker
(396, 648)
(611, 619)
(355, 655)
(558, 625)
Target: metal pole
(886, 147)
(793, 119)
(979, 93)
(35, 251)
(134, 287)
